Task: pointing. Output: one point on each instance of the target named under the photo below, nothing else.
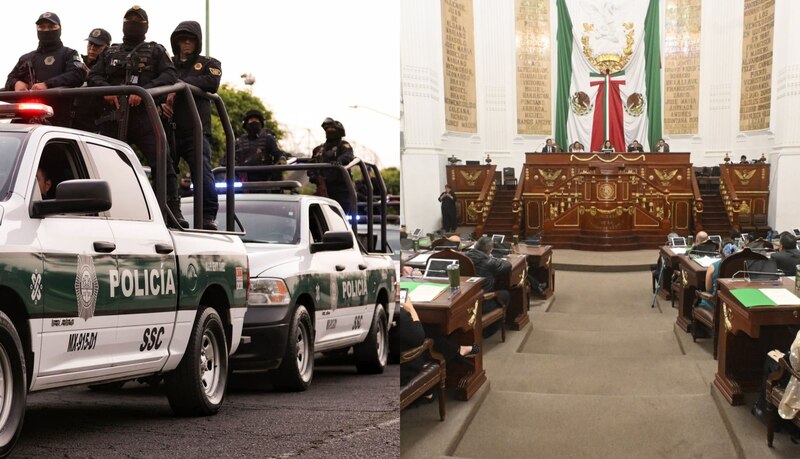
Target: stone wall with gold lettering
(754, 108)
(534, 111)
(458, 52)
(682, 67)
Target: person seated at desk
(635, 146)
(703, 246)
(607, 147)
(787, 257)
(712, 273)
(743, 160)
(490, 268)
(789, 404)
(576, 147)
(551, 147)
(661, 146)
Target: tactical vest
(138, 64)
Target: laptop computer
(677, 241)
(416, 234)
(498, 238)
(715, 239)
(436, 268)
(448, 244)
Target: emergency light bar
(25, 110)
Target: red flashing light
(26, 110)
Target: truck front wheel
(197, 386)
(372, 354)
(13, 385)
(297, 367)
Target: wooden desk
(458, 315)
(540, 264)
(693, 277)
(746, 335)
(407, 256)
(517, 310)
(670, 266)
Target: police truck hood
(264, 257)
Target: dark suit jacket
(666, 148)
(553, 149)
(488, 267)
(787, 260)
(631, 148)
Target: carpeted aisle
(599, 375)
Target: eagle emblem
(665, 176)
(471, 177)
(549, 176)
(745, 176)
(86, 287)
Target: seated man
(787, 257)
(45, 183)
(712, 273)
(635, 146)
(490, 268)
(661, 146)
(703, 246)
(551, 147)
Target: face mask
(332, 136)
(253, 129)
(134, 30)
(48, 37)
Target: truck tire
(372, 354)
(13, 385)
(297, 366)
(197, 386)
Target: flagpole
(208, 32)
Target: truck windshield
(272, 222)
(10, 143)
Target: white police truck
(95, 287)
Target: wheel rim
(383, 354)
(6, 387)
(303, 347)
(210, 371)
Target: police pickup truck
(94, 286)
(314, 288)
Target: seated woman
(607, 147)
(712, 273)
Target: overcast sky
(311, 58)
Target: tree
(237, 103)
(391, 177)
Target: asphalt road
(343, 414)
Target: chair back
(760, 219)
(735, 263)
(466, 268)
(745, 219)
(443, 241)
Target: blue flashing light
(350, 217)
(224, 185)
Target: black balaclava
(253, 129)
(133, 32)
(49, 39)
(332, 136)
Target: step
(590, 375)
(602, 343)
(553, 320)
(594, 426)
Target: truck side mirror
(333, 240)
(82, 196)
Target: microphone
(770, 275)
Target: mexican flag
(609, 73)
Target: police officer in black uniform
(205, 73)
(335, 150)
(86, 110)
(258, 148)
(146, 64)
(51, 65)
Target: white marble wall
(427, 144)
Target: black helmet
(330, 122)
(253, 114)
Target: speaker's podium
(606, 201)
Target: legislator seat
(746, 223)
(761, 225)
(431, 375)
(443, 242)
(467, 269)
(775, 391)
(709, 318)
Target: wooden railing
(484, 201)
(516, 204)
(729, 197)
(698, 203)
